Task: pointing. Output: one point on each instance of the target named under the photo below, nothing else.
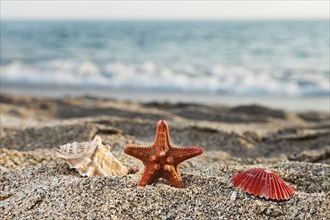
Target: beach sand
(36, 185)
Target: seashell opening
(91, 158)
(263, 183)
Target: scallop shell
(91, 158)
(263, 183)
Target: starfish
(161, 159)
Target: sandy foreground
(36, 185)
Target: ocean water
(259, 58)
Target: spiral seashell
(263, 183)
(91, 158)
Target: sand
(36, 185)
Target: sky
(167, 10)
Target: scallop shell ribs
(263, 183)
(91, 158)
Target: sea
(284, 58)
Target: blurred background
(242, 52)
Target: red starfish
(161, 159)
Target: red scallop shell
(263, 183)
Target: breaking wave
(214, 78)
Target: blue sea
(259, 58)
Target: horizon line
(164, 19)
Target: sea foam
(213, 78)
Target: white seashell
(233, 196)
(91, 158)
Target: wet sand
(319, 103)
(34, 184)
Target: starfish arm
(173, 176)
(184, 153)
(149, 176)
(162, 139)
(141, 153)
